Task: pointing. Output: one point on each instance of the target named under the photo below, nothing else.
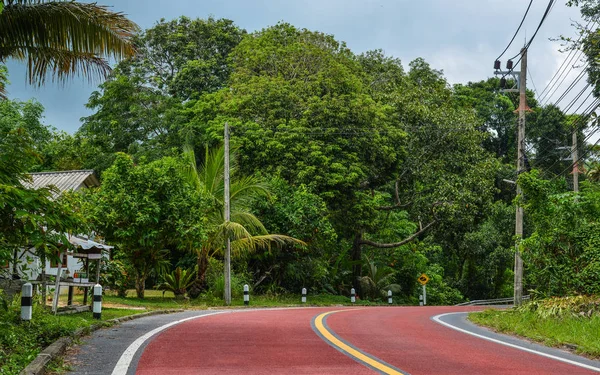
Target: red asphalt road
(283, 342)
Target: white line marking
(437, 319)
(123, 365)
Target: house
(75, 180)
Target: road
(342, 340)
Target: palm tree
(245, 231)
(65, 38)
(594, 173)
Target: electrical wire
(548, 9)
(516, 32)
(567, 58)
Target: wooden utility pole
(575, 162)
(227, 214)
(518, 284)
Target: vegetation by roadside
(20, 342)
(570, 322)
(155, 299)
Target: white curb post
(390, 297)
(97, 301)
(352, 295)
(246, 295)
(26, 301)
(420, 300)
(303, 295)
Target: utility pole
(518, 283)
(575, 162)
(521, 79)
(227, 215)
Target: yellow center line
(350, 350)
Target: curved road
(343, 340)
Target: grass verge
(154, 299)
(569, 331)
(21, 342)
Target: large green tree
(148, 210)
(138, 110)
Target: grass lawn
(21, 342)
(568, 330)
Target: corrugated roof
(64, 180)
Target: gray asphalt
(460, 320)
(98, 353)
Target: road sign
(423, 279)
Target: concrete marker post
(389, 297)
(352, 295)
(420, 300)
(424, 295)
(26, 301)
(246, 295)
(303, 295)
(97, 301)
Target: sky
(461, 37)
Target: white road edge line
(125, 361)
(437, 319)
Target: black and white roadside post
(303, 295)
(352, 295)
(97, 301)
(246, 295)
(26, 301)
(389, 297)
(423, 279)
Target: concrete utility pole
(575, 162)
(518, 284)
(227, 214)
(521, 79)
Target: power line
(516, 32)
(548, 9)
(565, 60)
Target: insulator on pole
(497, 65)
(502, 82)
(509, 64)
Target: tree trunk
(140, 285)
(199, 284)
(357, 262)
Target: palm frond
(189, 170)
(86, 30)
(244, 190)
(267, 241)
(62, 63)
(249, 221)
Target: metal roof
(63, 180)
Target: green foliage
(138, 110)
(178, 281)
(553, 322)
(147, 209)
(377, 282)
(561, 254)
(572, 306)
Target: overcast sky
(461, 37)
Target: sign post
(423, 279)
